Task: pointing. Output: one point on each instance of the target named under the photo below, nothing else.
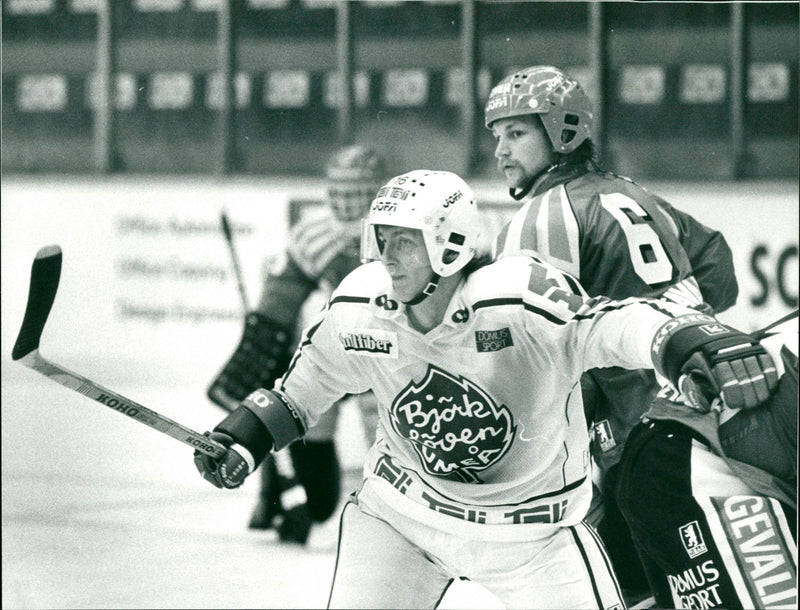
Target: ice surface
(99, 511)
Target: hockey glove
(228, 471)
(248, 442)
(706, 359)
(264, 421)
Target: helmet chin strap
(433, 284)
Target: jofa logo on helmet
(452, 199)
(383, 206)
(496, 102)
(552, 82)
(455, 427)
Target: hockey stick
(45, 274)
(282, 460)
(237, 269)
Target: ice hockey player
(711, 493)
(480, 467)
(616, 238)
(322, 248)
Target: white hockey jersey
(481, 419)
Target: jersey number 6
(650, 260)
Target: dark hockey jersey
(620, 241)
(760, 444)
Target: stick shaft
(45, 275)
(237, 268)
(117, 402)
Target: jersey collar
(388, 307)
(552, 176)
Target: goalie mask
(440, 204)
(354, 174)
(559, 100)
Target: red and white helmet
(354, 174)
(559, 100)
(438, 203)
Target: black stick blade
(45, 273)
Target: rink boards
(148, 290)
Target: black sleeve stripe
(346, 299)
(297, 355)
(496, 303)
(312, 330)
(545, 314)
(573, 284)
(501, 302)
(659, 309)
(617, 305)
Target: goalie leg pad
(262, 356)
(316, 465)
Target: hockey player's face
(523, 149)
(404, 255)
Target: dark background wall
(667, 97)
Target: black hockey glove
(228, 471)
(248, 443)
(706, 360)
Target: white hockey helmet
(558, 99)
(438, 203)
